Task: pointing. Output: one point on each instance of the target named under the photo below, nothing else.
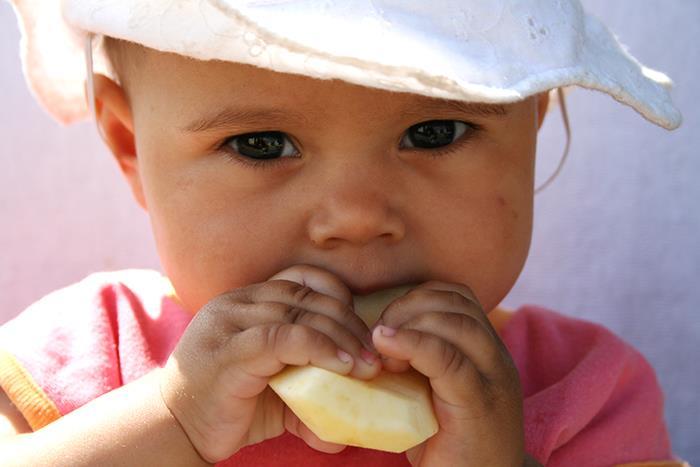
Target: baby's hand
(441, 330)
(215, 382)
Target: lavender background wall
(616, 240)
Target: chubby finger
(430, 297)
(303, 297)
(367, 364)
(453, 377)
(296, 427)
(318, 279)
(468, 335)
(264, 350)
(257, 353)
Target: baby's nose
(357, 212)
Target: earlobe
(114, 118)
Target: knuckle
(269, 336)
(277, 338)
(452, 359)
(306, 297)
(286, 334)
(301, 293)
(264, 336)
(425, 341)
(293, 314)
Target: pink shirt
(590, 398)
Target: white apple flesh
(392, 412)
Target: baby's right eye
(263, 145)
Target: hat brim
(492, 52)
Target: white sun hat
(494, 51)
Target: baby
(292, 155)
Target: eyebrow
(475, 109)
(231, 117)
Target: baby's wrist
(160, 381)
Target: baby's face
(379, 188)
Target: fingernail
(368, 357)
(387, 331)
(344, 356)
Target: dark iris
(432, 134)
(265, 145)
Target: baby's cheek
(503, 249)
(514, 242)
(506, 208)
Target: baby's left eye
(434, 134)
(262, 146)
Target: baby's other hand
(441, 330)
(215, 382)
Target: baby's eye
(434, 134)
(262, 145)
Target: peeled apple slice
(392, 412)
(369, 307)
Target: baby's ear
(114, 119)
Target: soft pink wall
(617, 237)
(65, 209)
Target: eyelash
(471, 132)
(236, 158)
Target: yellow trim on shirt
(25, 394)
